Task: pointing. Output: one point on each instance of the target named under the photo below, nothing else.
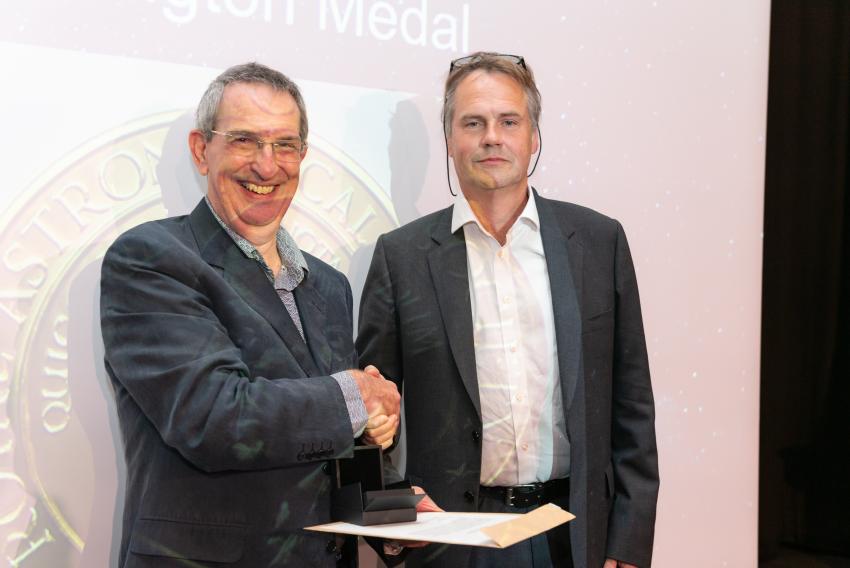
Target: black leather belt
(529, 494)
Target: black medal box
(359, 496)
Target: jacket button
(331, 547)
(469, 496)
(326, 467)
(476, 436)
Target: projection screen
(653, 113)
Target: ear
(198, 148)
(535, 141)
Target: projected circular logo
(61, 466)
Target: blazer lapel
(564, 261)
(448, 266)
(311, 308)
(249, 281)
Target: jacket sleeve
(631, 524)
(378, 340)
(173, 354)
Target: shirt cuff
(353, 401)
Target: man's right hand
(382, 402)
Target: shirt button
(513, 348)
(518, 397)
(525, 447)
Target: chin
(264, 212)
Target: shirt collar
(462, 213)
(293, 263)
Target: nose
(264, 162)
(492, 136)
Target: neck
(264, 238)
(268, 250)
(497, 211)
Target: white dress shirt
(524, 437)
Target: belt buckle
(512, 492)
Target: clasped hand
(382, 402)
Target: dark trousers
(548, 550)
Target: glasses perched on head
(461, 61)
(247, 145)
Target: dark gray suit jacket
(416, 327)
(227, 415)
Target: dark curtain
(804, 477)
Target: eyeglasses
(246, 146)
(461, 61)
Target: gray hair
(207, 113)
(491, 63)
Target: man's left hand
(426, 505)
(611, 563)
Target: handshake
(382, 402)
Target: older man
(231, 353)
(513, 323)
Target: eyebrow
(510, 114)
(250, 134)
(243, 133)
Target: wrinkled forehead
(253, 106)
(489, 89)
(257, 97)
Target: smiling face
(251, 194)
(492, 139)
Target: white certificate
(494, 530)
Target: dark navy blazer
(227, 415)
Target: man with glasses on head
(231, 354)
(513, 324)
